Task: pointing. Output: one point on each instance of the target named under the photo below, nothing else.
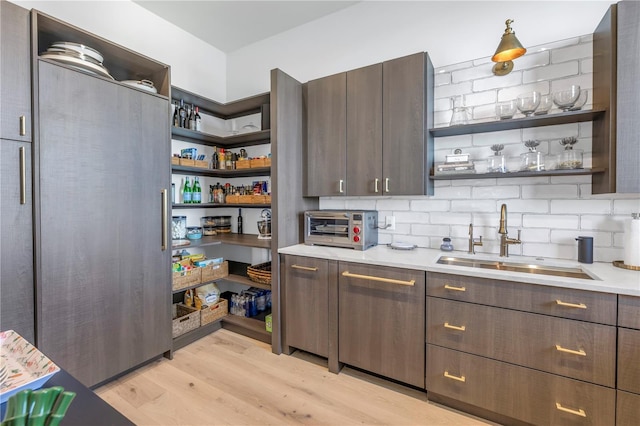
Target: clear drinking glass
(505, 110)
(460, 114)
(546, 102)
(565, 99)
(528, 102)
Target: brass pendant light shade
(508, 49)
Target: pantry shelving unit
(284, 107)
(519, 123)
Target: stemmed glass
(528, 102)
(565, 99)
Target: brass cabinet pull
(579, 412)
(453, 288)
(23, 125)
(23, 176)
(386, 185)
(341, 186)
(165, 224)
(381, 279)
(304, 268)
(375, 185)
(455, 327)
(571, 305)
(452, 377)
(580, 352)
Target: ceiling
(231, 25)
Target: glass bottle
(176, 114)
(460, 114)
(239, 221)
(183, 114)
(192, 118)
(196, 192)
(221, 160)
(186, 191)
(198, 121)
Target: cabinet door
(307, 304)
(16, 256)
(629, 360)
(327, 136)
(404, 155)
(15, 68)
(104, 278)
(364, 131)
(382, 321)
(627, 409)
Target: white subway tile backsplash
(626, 207)
(586, 66)
(499, 192)
(484, 112)
(452, 142)
(442, 118)
(472, 73)
(439, 218)
(566, 180)
(585, 130)
(618, 239)
(585, 81)
(410, 217)
(443, 104)
(430, 205)
(602, 223)
(600, 239)
(532, 60)
(550, 191)
(497, 82)
(473, 182)
(481, 98)
(581, 206)
(577, 51)
(393, 204)
(360, 204)
(491, 138)
(436, 230)
(556, 44)
(441, 78)
(331, 203)
(420, 241)
(607, 254)
(475, 205)
(551, 132)
(453, 67)
(511, 93)
(552, 251)
(528, 206)
(453, 193)
(450, 90)
(535, 235)
(565, 69)
(550, 221)
(483, 61)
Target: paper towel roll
(632, 242)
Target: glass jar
(570, 159)
(178, 227)
(194, 232)
(497, 164)
(532, 162)
(446, 244)
(208, 230)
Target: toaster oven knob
(356, 239)
(356, 230)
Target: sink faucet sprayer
(472, 241)
(505, 241)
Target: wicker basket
(185, 319)
(184, 279)
(260, 273)
(215, 272)
(209, 314)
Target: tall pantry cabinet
(16, 214)
(101, 209)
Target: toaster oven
(341, 228)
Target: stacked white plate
(78, 56)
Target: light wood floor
(229, 379)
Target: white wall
(195, 65)
(373, 31)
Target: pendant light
(508, 49)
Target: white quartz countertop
(609, 279)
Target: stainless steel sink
(517, 267)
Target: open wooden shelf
(237, 108)
(573, 172)
(250, 327)
(198, 333)
(199, 171)
(220, 206)
(245, 240)
(261, 137)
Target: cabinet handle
(571, 305)
(381, 279)
(23, 125)
(580, 352)
(452, 377)
(386, 185)
(304, 268)
(579, 412)
(455, 327)
(375, 185)
(453, 288)
(165, 224)
(23, 176)
(341, 186)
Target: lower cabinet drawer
(575, 349)
(520, 393)
(629, 360)
(629, 311)
(628, 409)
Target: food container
(208, 230)
(223, 229)
(532, 162)
(178, 227)
(570, 159)
(194, 232)
(208, 221)
(497, 164)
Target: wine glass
(546, 102)
(528, 102)
(565, 99)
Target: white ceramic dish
(141, 84)
(24, 366)
(80, 48)
(79, 63)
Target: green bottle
(186, 192)
(196, 192)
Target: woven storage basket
(215, 272)
(185, 319)
(260, 273)
(209, 314)
(184, 279)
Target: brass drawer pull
(571, 305)
(304, 268)
(580, 352)
(381, 279)
(453, 288)
(579, 412)
(455, 327)
(452, 377)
